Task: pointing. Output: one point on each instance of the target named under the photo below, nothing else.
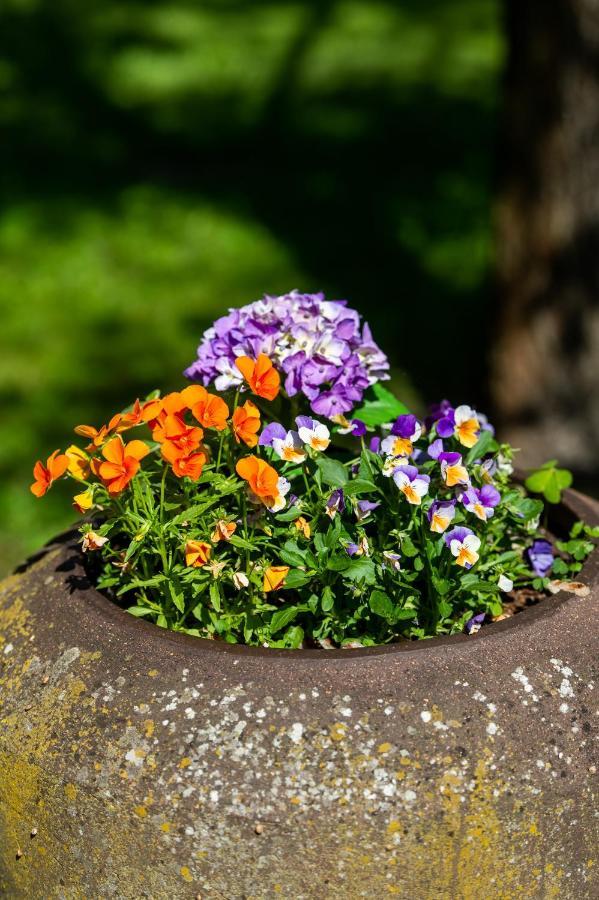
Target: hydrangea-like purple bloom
(540, 556)
(320, 346)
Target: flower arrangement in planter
(287, 499)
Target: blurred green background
(162, 161)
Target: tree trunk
(545, 366)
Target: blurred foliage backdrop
(162, 160)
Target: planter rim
(76, 579)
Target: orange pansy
(56, 465)
(262, 377)
(193, 394)
(211, 412)
(246, 423)
(197, 553)
(274, 577)
(97, 436)
(262, 478)
(185, 465)
(303, 525)
(122, 463)
(222, 531)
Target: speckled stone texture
(158, 765)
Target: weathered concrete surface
(156, 765)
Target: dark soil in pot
(151, 764)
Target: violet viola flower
(411, 483)
(270, 432)
(464, 545)
(405, 431)
(540, 557)
(364, 508)
(361, 549)
(481, 501)
(441, 514)
(335, 503)
(375, 445)
(452, 469)
(435, 449)
(442, 415)
(474, 624)
(356, 427)
(321, 348)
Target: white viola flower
(505, 584)
(92, 541)
(240, 580)
(393, 559)
(391, 463)
(290, 448)
(313, 433)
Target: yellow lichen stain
(393, 827)
(185, 762)
(384, 747)
(140, 811)
(533, 829)
(153, 673)
(186, 874)
(338, 731)
(277, 888)
(295, 800)
(70, 792)
(149, 727)
(166, 827)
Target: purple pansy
(481, 501)
(364, 508)
(474, 624)
(321, 348)
(335, 503)
(435, 449)
(375, 445)
(443, 416)
(270, 433)
(540, 556)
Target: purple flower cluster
(320, 347)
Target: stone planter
(157, 765)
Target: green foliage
(549, 481)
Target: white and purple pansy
(364, 508)
(392, 559)
(453, 471)
(411, 483)
(313, 433)
(335, 504)
(290, 448)
(405, 431)
(481, 501)
(362, 548)
(441, 514)
(270, 432)
(467, 426)
(464, 545)
(475, 623)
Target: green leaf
(485, 444)
(327, 600)
(296, 578)
(137, 583)
(141, 611)
(294, 637)
(382, 605)
(407, 546)
(524, 507)
(237, 541)
(332, 471)
(361, 569)
(282, 618)
(292, 555)
(380, 406)
(215, 597)
(359, 486)
(289, 515)
(549, 481)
